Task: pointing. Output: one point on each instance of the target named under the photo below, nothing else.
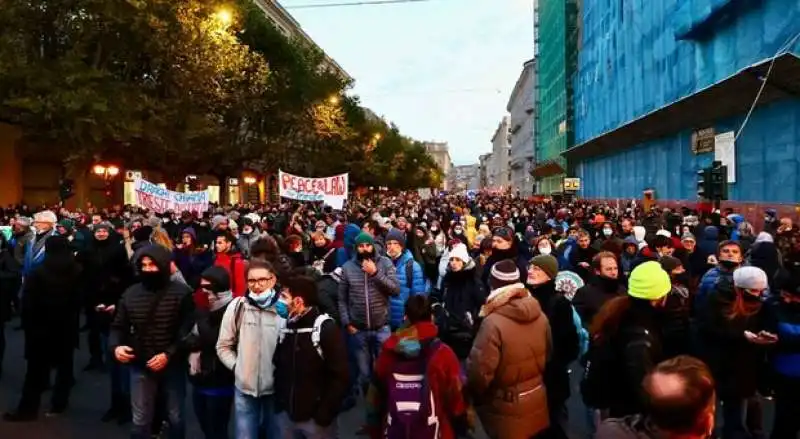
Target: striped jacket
(364, 299)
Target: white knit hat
(460, 251)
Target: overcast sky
(441, 70)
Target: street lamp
(333, 100)
(107, 172)
(250, 180)
(224, 17)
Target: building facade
(556, 38)
(440, 151)
(500, 169)
(484, 162)
(465, 177)
(664, 89)
(521, 108)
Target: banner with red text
(330, 190)
(158, 199)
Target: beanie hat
(396, 235)
(546, 263)
(750, 278)
(688, 236)
(764, 237)
(190, 231)
(460, 251)
(669, 263)
(105, 225)
(649, 281)
(504, 233)
(67, 223)
(217, 220)
(218, 278)
(503, 273)
(364, 238)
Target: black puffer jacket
(309, 386)
(213, 374)
(591, 297)
(171, 321)
(461, 293)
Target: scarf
(223, 299)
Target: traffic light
(719, 181)
(66, 188)
(704, 189)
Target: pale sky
(441, 70)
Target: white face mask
(545, 250)
(607, 232)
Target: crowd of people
(436, 312)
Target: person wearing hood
(626, 334)
(417, 348)
(458, 303)
(424, 251)
(252, 321)
(247, 236)
(764, 255)
(405, 266)
(311, 375)
(212, 392)
(558, 310)
(709, 242)
(602, 287)
(629, 257)
(191, 258)
(153, 318)
(505, 372)
(348, 250)
(680, 403)
(50, 310)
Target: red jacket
(236, 266)
(444, 378)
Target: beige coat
(506, 365)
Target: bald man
(681, 404)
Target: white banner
(330, 190)
(158, 199)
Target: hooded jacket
(364, 299)
(408, 287)
(461, 299)
(347, 251)
(443, 375)
(307, 386)
(171, 321)
(506, 371)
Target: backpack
(315, 331)
(411, 407)
(598, 381)
(583, 334)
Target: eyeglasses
(263, 281)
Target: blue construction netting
(639, 55)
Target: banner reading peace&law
(158, 199)
(331, 190)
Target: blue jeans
(254, 416)
(304, 430)
(120, 373)
(145, 387)
(213, 413)
(367, 345)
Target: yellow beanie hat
(649, 281)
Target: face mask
(282, 308)
(608, 232)
(458, 231)
(545, 250)
(749, 298)
(153, 280)
(263, 299)
(247, 230)
(729, 265)
(683, 279)
(434, 229)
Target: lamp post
(107, 173)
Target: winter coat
(170, 324)
(726, 345)
(213, 373)
(34, 251)
(558, 311)
(309, 386)
(676, 327)
(192, 264)
(106, 273)
(10, 281)
(328, 292)
(638, 347)
(408, 287)
(765, 256)
(591, 297)
(442, 374)
(246, 241)
(580, 255)
(506, 371)
(461, 298)
(50, 311)
(258, 331)
(783, 320)
(708, 243)
(364, 299)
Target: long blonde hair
(161, 238)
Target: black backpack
(600, 370)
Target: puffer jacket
(506, 371)
(414, 287)
(364, 299)
(254, 328)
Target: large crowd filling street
(400, 317)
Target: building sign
(703, 141)
(331, 190)
(572, 184)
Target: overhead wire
(782, 50)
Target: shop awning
(729, 97)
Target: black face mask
(153, 280)
(609, 285)
(749, 298)
(728, 265)
(682, 279)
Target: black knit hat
(218, 278)
(503, 273)
(669, 263)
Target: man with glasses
(252, 321)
